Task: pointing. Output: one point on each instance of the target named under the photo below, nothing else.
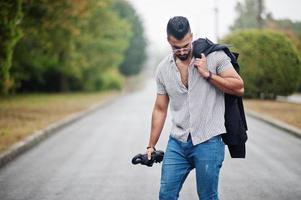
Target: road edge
(277, 123)
(38, 136)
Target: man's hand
(149, 152)
(201, 65)
(227, 81)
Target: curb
(40, 135)
(279, 124)
(289, 99)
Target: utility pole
(259, 14)
(216, 11)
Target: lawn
(21, 115)
(283, 111)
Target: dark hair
(178, 27)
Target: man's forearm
(158, 120)
(229, 85)
(228, 81)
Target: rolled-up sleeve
(223, 62)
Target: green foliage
(270, 63)
(288, 27)
(45, 56)
(289, 24)
(108, 80)
(10, 33)
(69, 45)
(291, 29)
(249, 14)
(105, 39)
(252, 14)
(135, 54)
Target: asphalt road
(90, 159)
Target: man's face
(181, 48)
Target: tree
(288, 27)
(69, 45)
(250, 15)
(45, 56)
(105, 38)
(10, 33)
(270, 63)
(135, 54)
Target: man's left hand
(201, 65)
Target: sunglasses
(183, 49)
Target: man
(195, 89)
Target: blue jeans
(181, 157)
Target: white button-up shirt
(198, 109)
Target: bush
(112, 79)
(270, 64)
(108, 80)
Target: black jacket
(235, 121)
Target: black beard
(183, 57)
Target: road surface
(90, 160)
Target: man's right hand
(149, 152)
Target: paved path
(91, 160)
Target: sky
(200, 13)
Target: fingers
(200, 61)
(203, 56)
(149, 153)
(201, 65)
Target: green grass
(21, 115)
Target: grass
(21, 115)
(283, 111)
